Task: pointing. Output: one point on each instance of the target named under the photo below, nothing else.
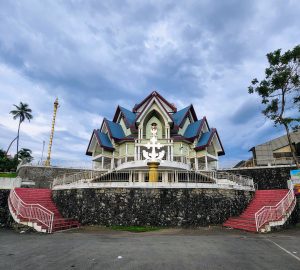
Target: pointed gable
(181, 115)
(154, 103)
(115, 130)
(129, 116)
(193, 129)
(102, 139)
(206, 139)
(167, 105)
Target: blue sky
(94, 55)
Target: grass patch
(136, 229)
(8, 175)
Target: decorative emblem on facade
(153, 156)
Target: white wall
(10, 183)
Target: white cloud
(95, 55)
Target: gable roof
(115, 130)
(129, 116)
(181, 115)
(154, 94)
(148, 105)
(193, 129)
(206, 139)
(102, 139)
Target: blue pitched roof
(178, 116)
(192, 129)
(115, 129)
(130, 116)
(104, 140)
(204, 139)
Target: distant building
(274, 152)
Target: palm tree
(22, 113)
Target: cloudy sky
(94, 55)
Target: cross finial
(153, 156)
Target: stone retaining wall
(266, 177)
(5, 218)
(154, 207)
(9, 183)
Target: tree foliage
(22, 112)
(280, 90)
(8, 163)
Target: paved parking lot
(100, 248)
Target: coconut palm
(22, 112)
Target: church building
(189, 143)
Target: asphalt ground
(101, 248)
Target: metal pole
(43, 153)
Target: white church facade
(189, 143)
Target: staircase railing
(31, 212)
(274, 213)
(84, 176)
(242, 180)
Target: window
(282, 155)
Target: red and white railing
(30, 212)
(275, 213)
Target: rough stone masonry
(5, 218)
(152, 207)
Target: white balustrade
(31, 212)
(268, 214)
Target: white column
(135, 150)
(102, 161)
(206, 164)
(172, 154)
(112, 161)
(181, 152)
(196, 163)
(126, 152)
(139, 153)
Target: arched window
(154, 117)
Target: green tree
(7, 163)
(280, 90)
(22, 113)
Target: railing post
(30, 215)
(18, 208)
(51, 223)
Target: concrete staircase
(35, 208)
(267, 208)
